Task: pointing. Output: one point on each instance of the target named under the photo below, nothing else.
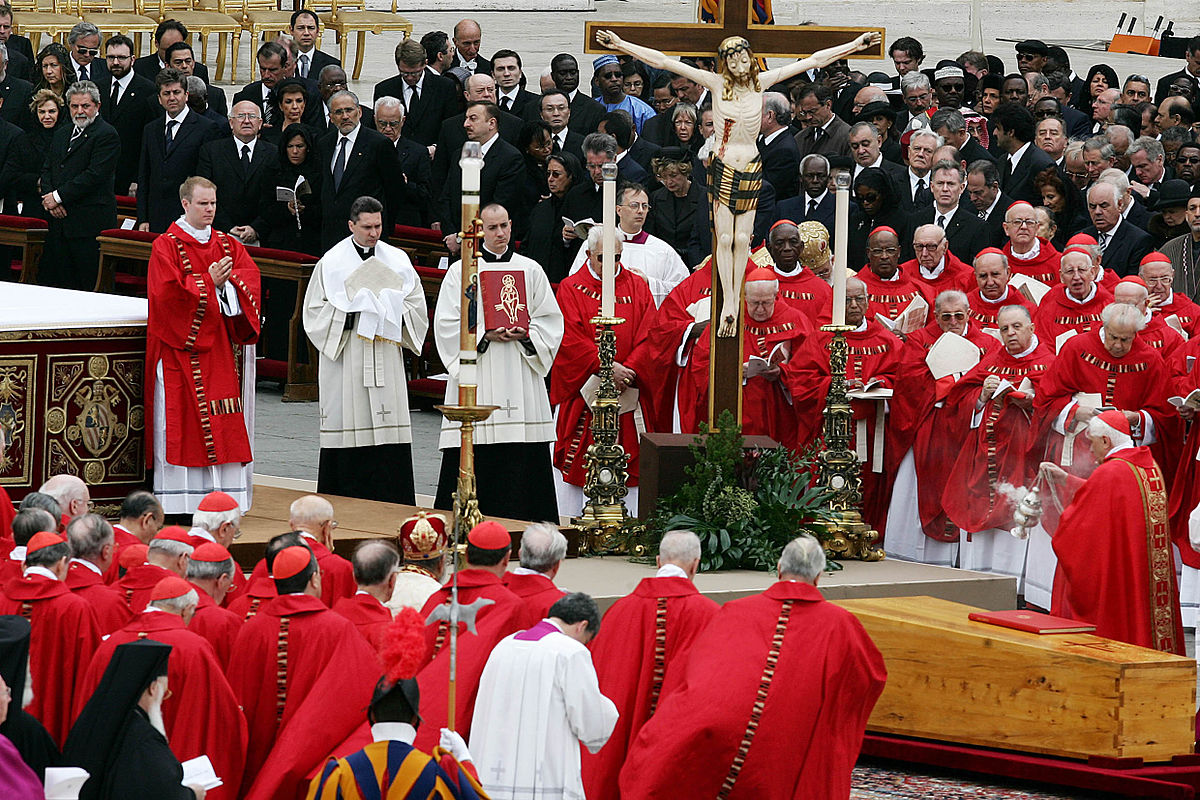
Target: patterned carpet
(874, 781)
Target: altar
(71, 387)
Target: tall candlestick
(841, 225)
(608, 275)
(471, 163)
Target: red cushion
(271, 368)
(430, 272)
(427, 386)
(131, 235)
(281, 255)
(420, 234)
(24, 223)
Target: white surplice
(363, 385)
(538, 700)
(507, 375)
(653, 259)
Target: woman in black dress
(877, 205)
(673, 207)
(23, 168)
(544, 243)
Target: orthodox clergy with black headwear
(30, 738)
(512, 364)
(364, 303)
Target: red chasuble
(217, 625)
(136, 585)
(1004, 448)
(933, 427)
(1185, 487)
(955, 275)
(202, 715)
(64, 637)
(1114, 548)
(1161, 336)
(304, 676)
(1187, 311)
(506, 615)
(666, 335)
(1137, 381)
(199, 347)
(110, 609)
(639, 659)
(873, 355)
(578, 360)
(369, 616)
(121, 539)
(1058, 312)
(766, 404)
(784, 719)
(808, 294)
(537, 591)
(1044, 267)
(7, 512)
(985, 312)
(337, 574)
(258, 592)
(888, 297)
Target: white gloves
(455, 744)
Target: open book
(295, 194)
(908, 320)
(1191, 401)
(199, 772)
(951, 354)
(581, 227)
(64, 783)
(1033, 289)
(757, 365)
(1062, 339)
(1174, 324)
(1005, 385)
(872, 390)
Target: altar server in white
(538, 700)
(364, 303)
(513, 474)
(644, 255)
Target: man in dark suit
(18, 65)
(14, 42)
(241, 167)
(129, 103)
(272, 64)
(306, 30)
(414, 206)
(1014, 134)
(815, 202)
(77, 186)
(619, 125)
(428, 99)
(1122, 244)
(330, 80)
(555, 109)
(983, 189)
(501, 181)
(354, 161)
(510, 96)
(824, 132)
(9, 195)
(170, 150)
(1075, 122)
(167, 33)
(478, 89)
(951, 125)
(585, 112)
(966, 232)
(467, 38)
(865, 147)
(181, 57)
(777, 146)
(83, 44)
(1191, 70)
(14, 96)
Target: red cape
(298, 715)
(1005, 448)
(888, 297)
(639, 658)
(666, 336)
(136, 585)
(258, 591)
(1185, 488)
(538, 592)
(65, 636)
(984, 311)
(809, 295)
(121, 539)
(506, 615)
(1161, 336)
(337, 575)
(578, 360)
(1114, 549)
(955, 275)
(1046, 267)
(111, 611)
(1057, 313)
(198, 346)
(202, 715)
(814, 705)
(219, 626)
(369, 616)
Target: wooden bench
(424, 246)
(28, 234)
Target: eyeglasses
(926, 246)
(637, 206)
(335, 84)
(883, 251)
(1084, 174)
(1024, 223)
(111, 57)
(409, 73)
(1188, 160)
(957, 315)
(386, 123)
(246, 115)
(88, 51)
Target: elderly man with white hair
(71, 493)
(1122, 243)
(168, 554)
(805, 672)
(1156, 333)
(627, 656)
(201, 715)
(1074, 306)
(415, 204)
(1113, 542)
(92, 551)
(543, 547)
(312, 516)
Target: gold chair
(32, 18)
(260, 17)
(119, 16)
(202, 18)
(343, 22)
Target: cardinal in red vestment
(936, 269)
(141, 517)
(784, 719)
(1113, 542)
(375, 564)
(873, 357)
(303, 675)
(992, 292)
(204, 296)
(1027, 253)
(65, 633)
(488, 548)
(543, 547)
(1132, 290)
(1076, 304)
(1159, 274)
(889, 289)
(641, 657)
(576, 377)
(202, 715)
(167, 554)
(673, 333)
(312, 516)
(92, 547)
(796, 250)
(210, 572)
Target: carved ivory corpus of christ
(735, 172)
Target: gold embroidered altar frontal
(72, 372)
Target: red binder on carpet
(1031, 622)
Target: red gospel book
(1031, 622)
(504, 299)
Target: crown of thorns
(732, 45)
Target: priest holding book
(364, 304)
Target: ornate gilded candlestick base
(605, 523)
(466, 504)
(840, 468)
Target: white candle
(608, 274)
(472, 164)
(841, 226)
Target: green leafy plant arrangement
(745, 505)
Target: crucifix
(735, 170)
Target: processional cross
(704, 39)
